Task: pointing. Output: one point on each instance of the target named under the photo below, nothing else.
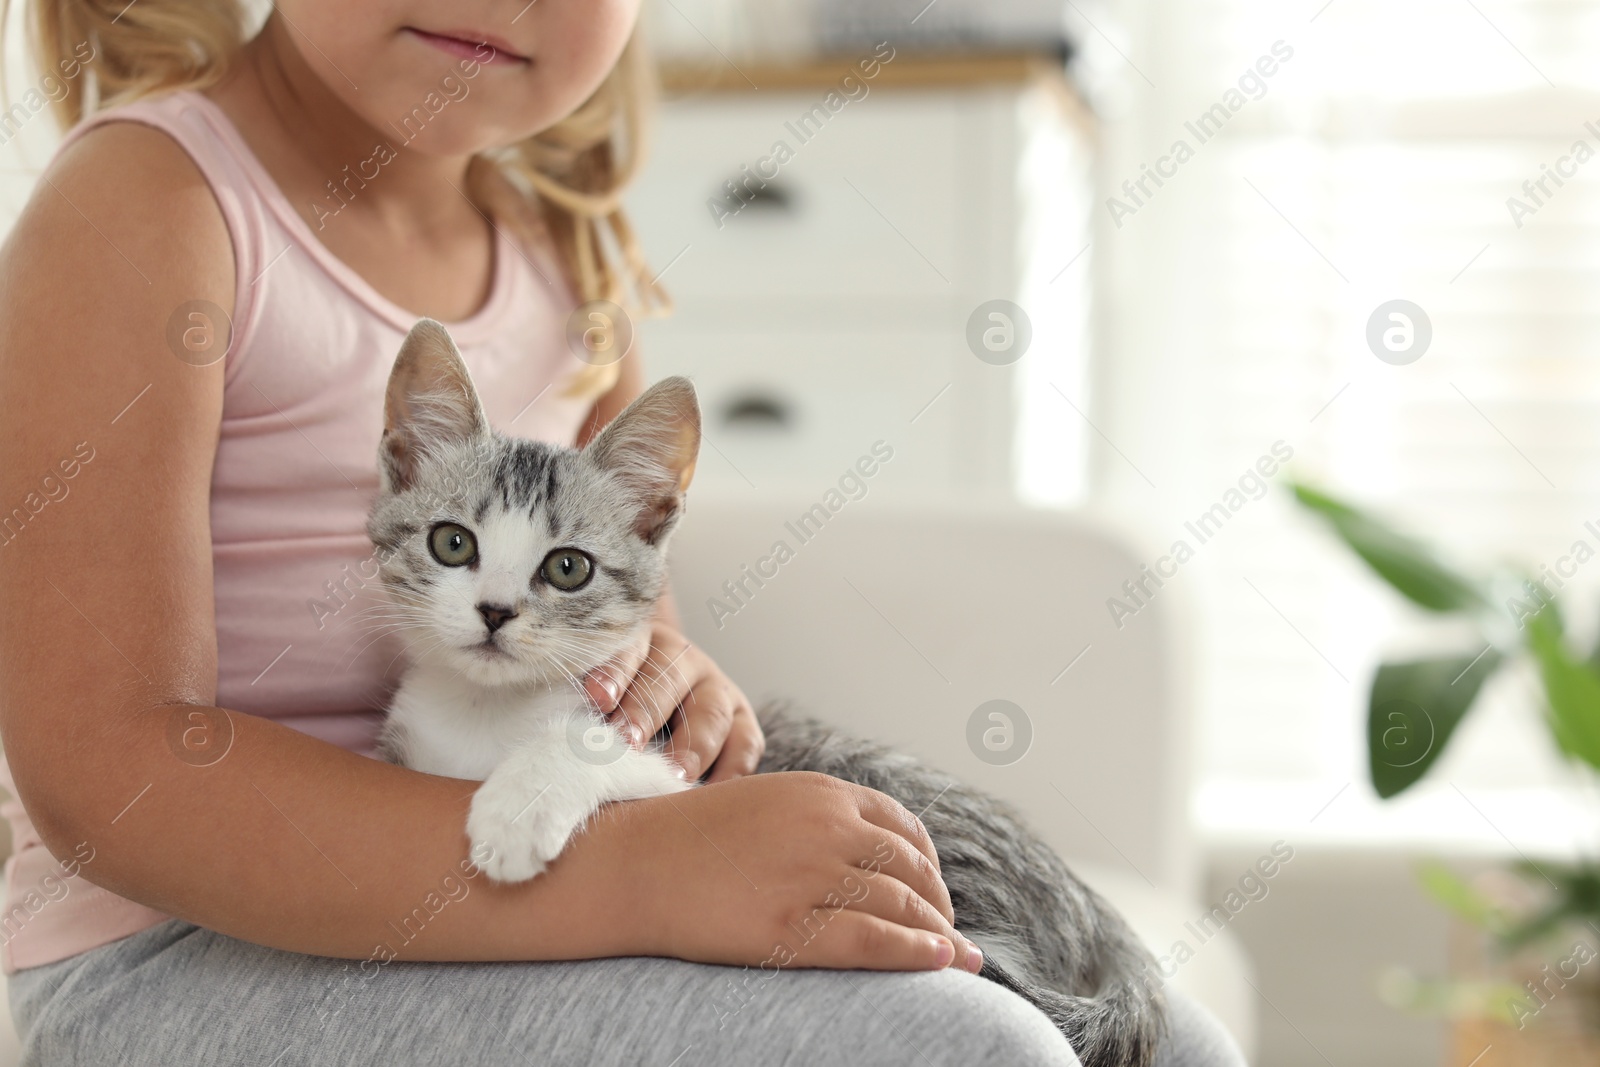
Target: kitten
(515, 567)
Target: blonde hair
(565, 183)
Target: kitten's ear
(652, 447)
(430, 402)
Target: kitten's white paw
(520, 839)
(521, 827)
(505, 867)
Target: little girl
(200, 306)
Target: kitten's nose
(495, 617)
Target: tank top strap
(196, 125)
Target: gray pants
(179, 994)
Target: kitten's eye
(453, 545)
(567, 569)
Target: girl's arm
(107, 633)
(714, 728)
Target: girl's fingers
(702, 725)
(898, 858)
(662, 682)
(605, 684)
(741, 752)
(911, 862)
(890, 899)
(882, 810)
(859, 941)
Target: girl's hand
(670, 680)
(776, 870)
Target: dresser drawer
(874, 203)
(789, 415)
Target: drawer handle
(757, 412)
(740, 194)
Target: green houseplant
(1416, 705)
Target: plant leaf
(1594, 656)
(1571, 687)
(1410, 566)
(1458, 896)
(1414, 709)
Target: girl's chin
(459, 139)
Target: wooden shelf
(906, 71)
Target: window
(1374, 162)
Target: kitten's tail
(1121, 1026)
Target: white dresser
(825, 305)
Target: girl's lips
(469, 44)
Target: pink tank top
(296, 470)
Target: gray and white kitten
(515, 567)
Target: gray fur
(1045, 935)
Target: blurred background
(1188, 289)
(1014, 323)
